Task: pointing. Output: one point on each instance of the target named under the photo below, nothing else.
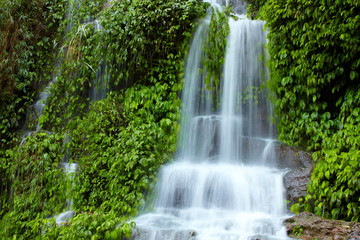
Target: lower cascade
(223, 184)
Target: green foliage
(253, 7)
(80, 12)
(87, 225)
(334, 189)
(27, 29)
(121, 144)
(314, 50)
(70, 93)
(82, 55)
(137, 42)
(297, 231)
(146, 32)
(37, 185)
(312, 61)
(120, 141)
(27, 32)
(214, 48)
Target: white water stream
(70, 170)
(222, 185)
(99, 88)
(100, 84)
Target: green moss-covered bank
(314, 48)
(120, 141)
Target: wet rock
(292, 157)
(308, 226)
(295, 183)
(300, 165)
(239, 7)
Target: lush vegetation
(27, 32)
(314, 48)
(119, 141)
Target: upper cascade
(225, 128)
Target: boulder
(308, 226)
(299, 164)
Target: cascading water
(70, 170)
(39, 106)
(64, 217)
(36, 113)
(222, 185)
(99, 88)
(99, 85)
(97, 91)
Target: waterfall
(100, 84)
(36, 111)
(70, 170)
(222, 185)
(97, 91)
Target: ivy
(334, 187)
(129, 51)
(119, 140)
(27, 31)
(26, 52)
(314, 49)
(38, 184)
(115, 147)
(214, 48)
(95, 225)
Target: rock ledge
(309, 226)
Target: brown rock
(308, 226)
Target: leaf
(353, 75)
